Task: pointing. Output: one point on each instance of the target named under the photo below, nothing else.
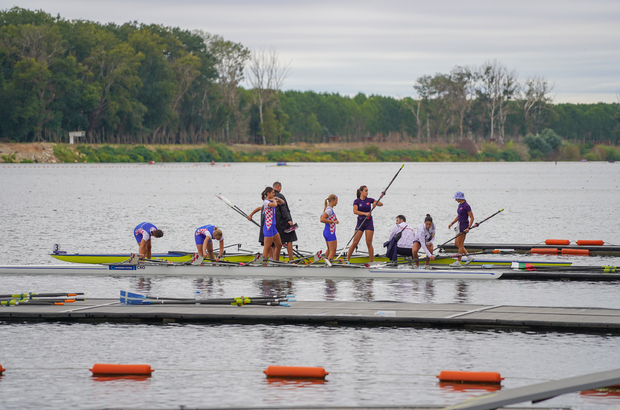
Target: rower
(328, 217)
(204, 241)
(403, 234)
(143, 233)
(465, 218)
(270, 232)
(425, 239)
(362, 207)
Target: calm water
(93, 208)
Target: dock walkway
(460, 316)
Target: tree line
(150, 84)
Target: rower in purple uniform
(270, 232)
(424, 239)
(465, 218)
(143, 234)
(204, 237)
(362, 207)
(328, 217)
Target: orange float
(544, 251)
(582, 252)
(295, 371)
(2, 369)
(104, 369)
(469, 377)
(583, 242)
(557, 242)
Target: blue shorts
(271, 232)
(200, 239)
(329, 237)
(138, 237)
(366, 226)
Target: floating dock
(458, 316)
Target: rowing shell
(245, 257)
(262, 272)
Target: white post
(75, 134)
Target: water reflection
(476, 388)
(142, 284)
(276, 287)
(330, 290)
(296, 383)
(462, 292)
(363, 289)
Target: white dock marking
(472, 311)
(90, 307)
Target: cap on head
(459, 195)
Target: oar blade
(129, 298)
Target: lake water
(94, 208)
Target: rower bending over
(204, 241)
(465, 217)
(424, 238)
(143, 233)
(404, 243)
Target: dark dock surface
(393, 314)
(600, 250)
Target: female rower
(270, 201)
(204, 241)
(328, 217)
(424, 238)
(362, 207)
(143, 234)
(465, 217)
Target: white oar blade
(196, 260)
(226, 201)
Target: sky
(382, 47)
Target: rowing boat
(176, 256)
(280, 271)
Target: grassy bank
(464, 151)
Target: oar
(236, 209)
(371, 209)
(575, 268)
(31, 294)
(138, 297)
(472, 227)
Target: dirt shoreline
(43, 152)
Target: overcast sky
(382, 47)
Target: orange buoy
(295, 371)
(544, 251)
(583, 242)
(104, 369)
(557, 242)
(569, 251)
(470, 377)
(1, 369)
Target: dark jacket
(283, 216)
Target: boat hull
(262, 272)
(182, 257)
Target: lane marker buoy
(106, 369)
(295, 371)
(470, 377)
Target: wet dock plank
(333, 313)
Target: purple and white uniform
(425, 237)
(269, 227)
(329, 233)
(143, 231)
(364, 205)
(205, 233)
(463, 213)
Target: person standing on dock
(424, 239)
(465, 218)
(270, 232)
(143, 233)
(286, 227)
(362, 207)
(204, 241)
(328, 217)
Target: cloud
(382, 47)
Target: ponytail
(267, 190)
(359, 191)
(328, 200)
